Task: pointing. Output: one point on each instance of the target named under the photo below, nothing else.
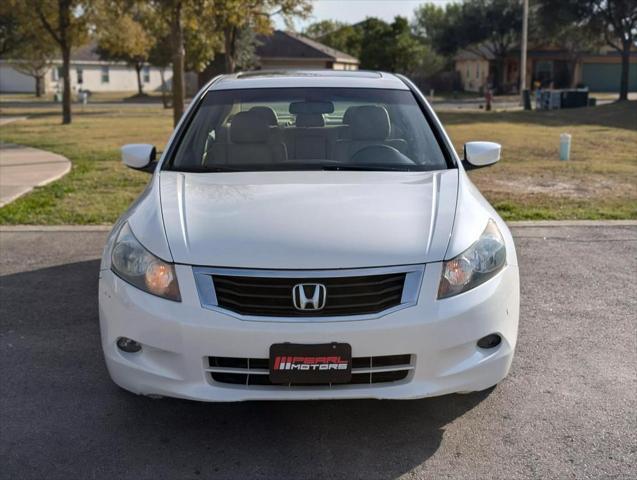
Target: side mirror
(140, 156)
(480, 154)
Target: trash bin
(574, 98)
(526, 95)
(551, 99)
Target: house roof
(475, 52)
(292, 45)
(85, 53)
(278, 45)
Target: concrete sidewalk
(23, 168)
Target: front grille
(266, 296)
(255, 371)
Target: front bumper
(178, 338)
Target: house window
(56, 74)
(468, 75)
(477, 70)
(146, 74)
(106, 78)
(80, 76)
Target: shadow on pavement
(61, 416)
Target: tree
(617, 22)
(488, 28)
(232, 17)
(376, 38)
(160, 57)
(123, 37)
(195, 27)
(24, 44)
(175, 18)
(172, 15)
(34, 59)
(178, 58)
(440, 27)
(66, 22)
(11, 33)
(408, 53)
(338, 35)
(379, 45)
(618, 19)
(491, 28)
(561, 26)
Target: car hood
(308, 220)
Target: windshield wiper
(210, 169)
(365, 168)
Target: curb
(55, 228)
(573, 223)
(518, 224)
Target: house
(280, 50)
(289, 50)
(88, 72)
(551, 67)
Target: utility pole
(523, 46)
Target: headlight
(474, 266)
(137, 266)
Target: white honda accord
(309, 235)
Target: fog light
(128, 345)
(490, 341)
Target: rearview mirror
(480, 154)
(140, 156)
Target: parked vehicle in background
(309, 235)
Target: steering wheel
(381, 154)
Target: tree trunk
(202, 78)
(38, 86)
(572, 70)
(498, 78)
(229, 37)
(66, 93)
(164, 99)
(177, 40)
(623, 86)
(138, 71)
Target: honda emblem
(309, 296)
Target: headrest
(311, 107)
(268, 115)
(248, 127)
(369, 122)
(347, 117)
(309, 120)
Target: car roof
(309, 79)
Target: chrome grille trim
(397, 368)
(208, 297)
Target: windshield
(308, 129)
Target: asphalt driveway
(566, 411)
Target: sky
(352, 11)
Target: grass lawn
(600, 180)
(97, 97)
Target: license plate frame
(310, 364)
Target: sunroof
(309, 73)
